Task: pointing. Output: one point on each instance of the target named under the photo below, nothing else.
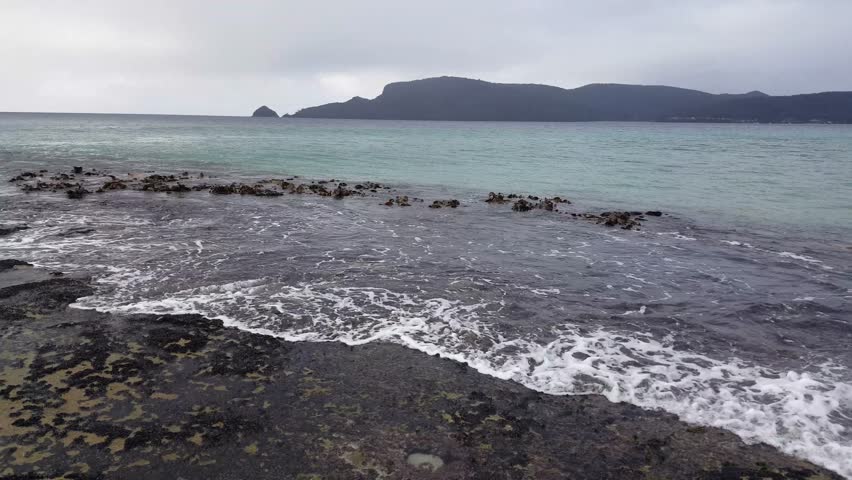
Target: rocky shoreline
(80, 183)
(90, 395)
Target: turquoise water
(798, 175)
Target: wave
(801, 413)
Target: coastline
(94, 395)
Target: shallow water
(732, 311)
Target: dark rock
(401, 201)
(498, 198)
(159, 179)
(617, 219)
(523, 205)
(373, 187)
(266, 192)
(265, 111)
(654, 213)
(78, 170)
(341, 192)
(222, 189)
(445, 203)
(8, 264)
(24, 176)
(74, 231)
(319, 190)
(533, 202)
(77, 193)
(243, 189)
(246, 190)
(113, 185)
(8, 230)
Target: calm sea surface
(732, 310)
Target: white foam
(641, 311)
(804, 258)
(737, 243)
(676, 235)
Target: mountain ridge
(465, 99)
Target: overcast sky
(227, 58)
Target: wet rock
(375, 186)
(243, 189)
(112, 185)
(163, 183)
(497, 198)
(222, 189)
(158, 183)
(8, 264)
(266, 192)
(342, 192)
(445, 203)
(165, 187)
(246, 190)
(654, 213)
(617, 219)
(77, 193)
(10, 229)
(401, 201)
(522, 205)
(23, 177)
(47, 186)
(77, 170)
(319, 189)
(75, 231)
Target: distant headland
(265, 111)
(463, 99)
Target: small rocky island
(265, 111)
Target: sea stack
(264, 111)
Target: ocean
(731, 310)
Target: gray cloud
(204, 57)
